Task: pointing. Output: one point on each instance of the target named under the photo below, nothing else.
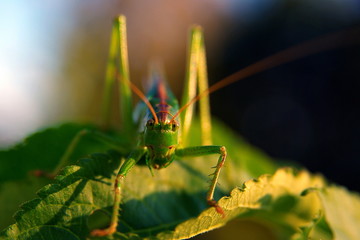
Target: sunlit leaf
(342, 211)
(288, 204)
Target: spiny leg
(197, 72)
(110, 76)
(196, 76)
(202, 151)
(210, 194)
(204, 102)
(130, 162)
(118, 69)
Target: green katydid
(158, 119)
(158, 140)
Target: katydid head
(161, 138)
(160, 133)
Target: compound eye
(150, 123)
(174, 126)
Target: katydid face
(161, 140)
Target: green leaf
(342, 212)
(13, 193)
(267, 197)
(40, 151)
(189, 186)
(154, 209)
(79, 190)
(43, 150)
(171, 204)
(63, 207)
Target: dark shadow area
(307, 110)
(244, 229)
(160, 211)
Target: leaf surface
(40, 151)
(171, 204)
(342, 211)
(185, 181)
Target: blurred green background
(53, 56)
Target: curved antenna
(140, 94)
(296, 52)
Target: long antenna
(343, 38)
(140, 94)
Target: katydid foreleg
(125, 168)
